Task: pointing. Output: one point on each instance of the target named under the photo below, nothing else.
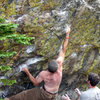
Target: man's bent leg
(19, 96)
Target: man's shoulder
(83, 96)
(42, 73)
(93, 92)
(85, 93)
(98, 88)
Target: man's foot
(65, 97)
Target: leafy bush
(9, 37)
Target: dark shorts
(33, 94)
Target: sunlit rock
(30, 49)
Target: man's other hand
(78, 91)
(65, 97)
(25, 70)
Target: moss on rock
(49, 5)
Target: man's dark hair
(52, 66)
(93, 78)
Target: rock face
(46, 20)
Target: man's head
(93, 78)
(52, 66)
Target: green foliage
(23, 39)
(2, 20)
(9, 37)
(7, 54)
(5, 68)
(7, 82)
(7, 28)
(7, 31)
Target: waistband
(53, 92)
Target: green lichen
(49, 5)
(6, 44)
(85, 53)
(84, 87)
(99, 85)
(85, 31)
(96, 69)
(9, 11)
(47, 46)
(92, 67)
(34, 3)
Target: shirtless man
(51, 77)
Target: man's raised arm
(61, 55)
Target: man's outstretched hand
(25, 70)
(68, 29)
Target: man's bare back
(52, 81)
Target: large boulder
(47, 24)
